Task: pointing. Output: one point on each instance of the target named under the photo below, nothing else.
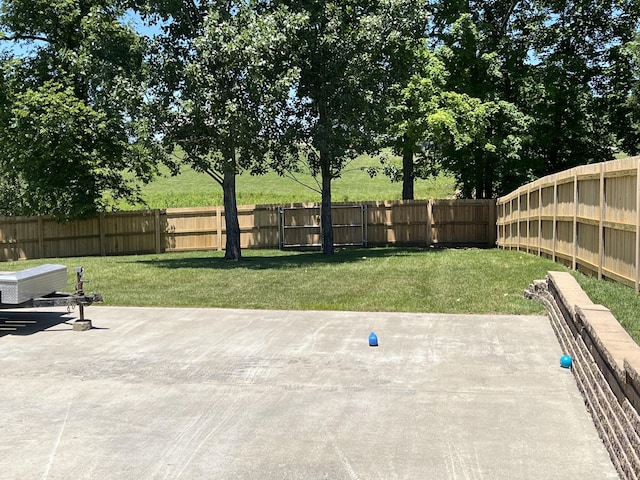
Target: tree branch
(194, 16)
(34, 38)
(291, 176)
(215, 175)
(505, 20)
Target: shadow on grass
(297, 259)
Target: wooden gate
(300, 226)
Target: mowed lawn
(374, 279)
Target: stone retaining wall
(606, 365)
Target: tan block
(611, 340)
(570, 292)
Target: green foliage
(481, 134)
(625, 104)
(49, 130)
(558, 64)
(335, 51)
(344, 52)
(225, 88)
(74, 130)
(221, 87)
(498, 91)
(415, 95)
(480, 142)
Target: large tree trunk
(407, 170)
(326, 223)
(232, 251)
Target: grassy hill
(192, 189)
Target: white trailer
(43, 286)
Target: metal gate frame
(283, 227)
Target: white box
(25, 285)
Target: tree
(343, 52)
(624, 97)
(223, 86)
(559, 63)
(479, 142)
(578, 49)
(415, 78)
(482, 139)
(10, 185)
(75, 137)
(416, 94)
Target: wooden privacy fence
(587, 217)
(417, 223)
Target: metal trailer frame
(60, 299)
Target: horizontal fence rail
(410, 223)
(587, 217)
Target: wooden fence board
(419, 223)
(588, 215)
(620, 199)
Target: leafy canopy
(76, 134)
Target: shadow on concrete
(29, 322)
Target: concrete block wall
(606, 365)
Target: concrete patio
(220, 394)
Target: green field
(192, 189)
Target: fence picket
(418, 223)
(597, 231)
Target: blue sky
(132, 18)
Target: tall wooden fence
(420, 223)
(587, 217)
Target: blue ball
(566, 361)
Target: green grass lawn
(192, 189)
(623, 301)
(375, 279)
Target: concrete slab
(220, 394)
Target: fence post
(219, 226)
(575, 219)
(528, 217)
(103, 248)
(40, 237)
(157, 229)
(429, 223)
(363, 222)
(638, 227)
(493, 222)
(601, 223)
(498, 218)
(555, 219)
(539, 220)
(519, 218)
